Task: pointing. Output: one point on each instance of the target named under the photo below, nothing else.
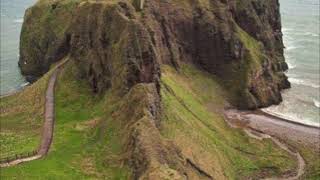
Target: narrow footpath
(262, 126)
(48, 126)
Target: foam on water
(292, 47)
(292, 117)
(303, 82)
(24, 84)
(316, 103)
(291, 66)
(20, 20)
(300, 28)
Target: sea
(12, 12)
(300, 27)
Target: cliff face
(239, 41)
(119, 46)
(42, 40)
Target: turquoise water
(300, 27)
(12, 12)
(300, 21)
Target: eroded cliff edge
(118, 46)
(239, 41)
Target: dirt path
(301, 163)
(47, 131)
(48, 126)
(261, 126)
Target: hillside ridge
(136, 53)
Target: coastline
(300, 140)
(16, 90)
(276, 117)
(272, 125)
(13, 92)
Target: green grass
(311, 156)
(239, 74)
(88, 135)
(192, 118)
(21, 119)
(86, 142)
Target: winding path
(48, 126)
(260, 126)
(300, 161)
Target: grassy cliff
(144, 89)
(193, 103)
(92, 132)
(83, 146)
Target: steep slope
(120, 48)
(215, 35)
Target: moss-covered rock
(43, 39)
(118, 43)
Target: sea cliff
(130, 48)
(238, 41)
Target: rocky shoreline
(275, 126)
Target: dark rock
(239, 41)
(119, 46)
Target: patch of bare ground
(261, 126)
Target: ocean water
(12, 12)
(300, 27)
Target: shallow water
(300, 27)
(12, 12)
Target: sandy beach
(274, 126)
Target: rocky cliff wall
(238, 41)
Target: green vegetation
(192, 118)
(44, 31)
(88, 138)
(238, 75)
(21, 119)
(86, 142)
(311, 156)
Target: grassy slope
(83, 146)
(191, 100)
(311, 156)
(21, 119)
(87, 140)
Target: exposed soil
(261, 126)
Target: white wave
(316, 103)
(25, 84)
(291, 66)
(288, 48)
(291, 117)
(302, 82)
(20, 20)
(314, 35)
(307, 34)
(286, 29)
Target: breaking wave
(316, 103)
(291, 66)
(20, 20)
(302, 82)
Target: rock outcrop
(239, 41)
(120, 45)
